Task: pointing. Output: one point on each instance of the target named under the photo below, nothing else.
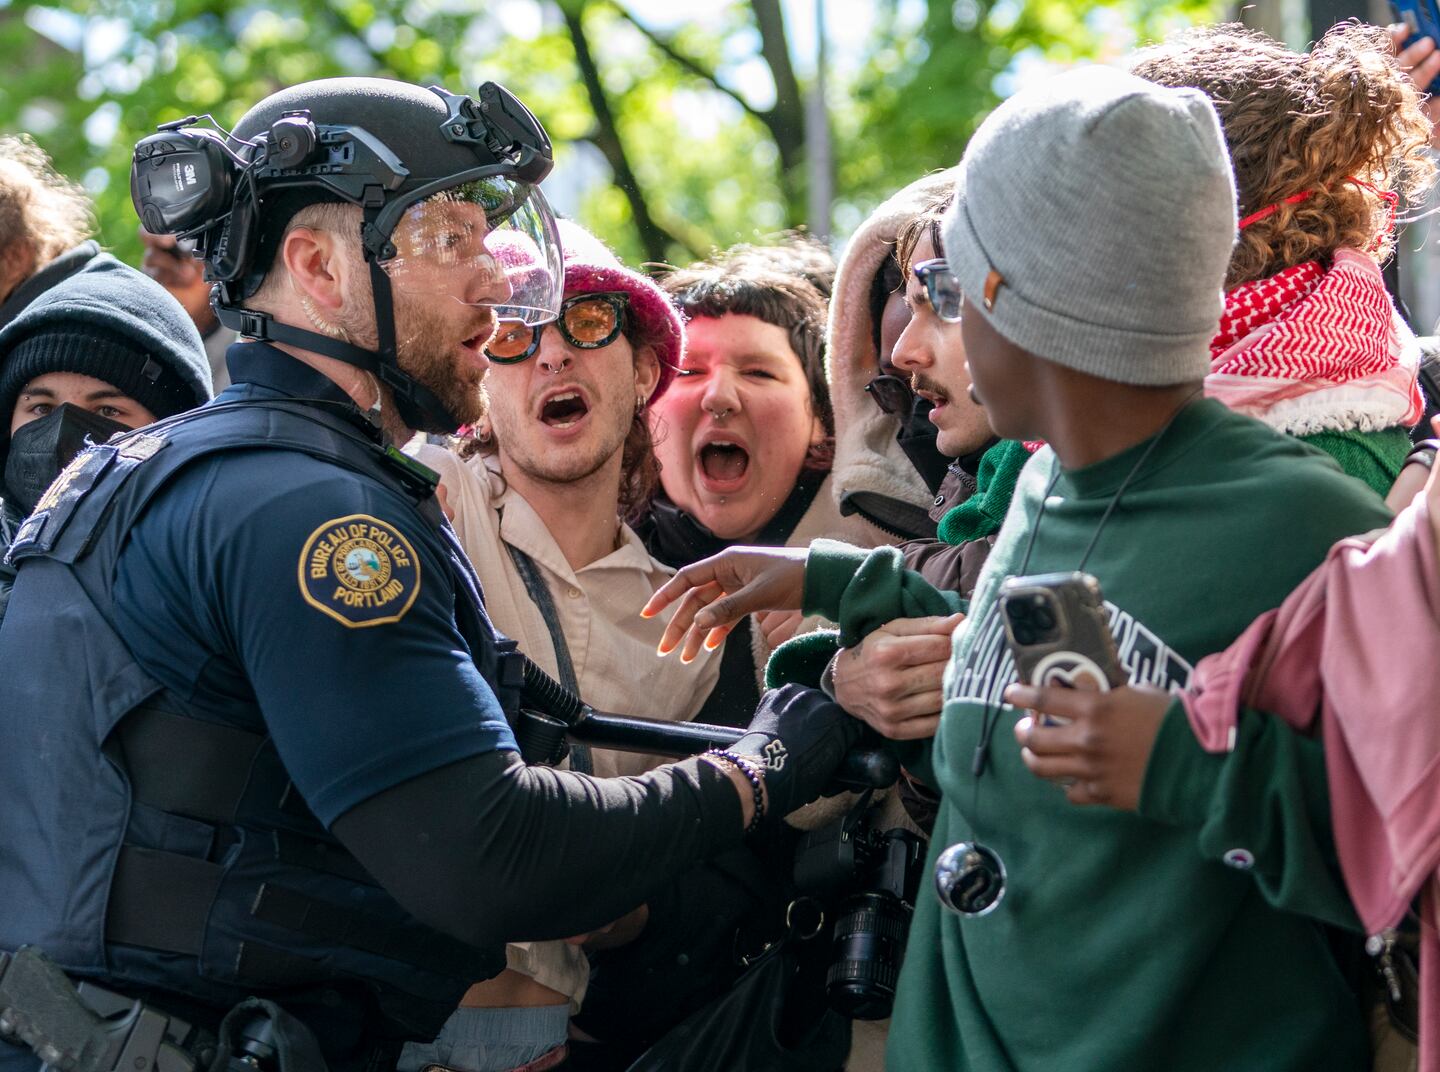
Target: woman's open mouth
(723, 466)
(564, 410)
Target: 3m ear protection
(183, 178)
(188, 181)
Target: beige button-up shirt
(612, 649)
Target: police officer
(254, 715)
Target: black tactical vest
(155, 851)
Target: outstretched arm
(714, 594)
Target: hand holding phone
(1422, 19)
(1059, 633)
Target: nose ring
(720, 414)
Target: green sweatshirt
(1374, 457)
(1124, 940)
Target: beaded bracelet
(752, 775)
(1423, 454)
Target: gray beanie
(1093, 223)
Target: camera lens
(869, 945)
(1023, 633)
(1042, 617)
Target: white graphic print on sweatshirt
(989, 667)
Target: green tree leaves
(685, 135)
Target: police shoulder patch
(360, 571)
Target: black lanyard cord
(991, 717)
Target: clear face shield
(488, 242)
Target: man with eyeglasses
(886, 466)
(889, 673)
(539, 491)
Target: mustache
(920, 382)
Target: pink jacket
(1356, 649)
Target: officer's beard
(429, 348)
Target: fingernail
(662, 651)
(1020, 695)
(711, 645)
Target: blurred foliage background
(679, 126)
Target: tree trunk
(656, 240)
(786, 120)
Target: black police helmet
(384, 145)
(406, 118)
(429, 136)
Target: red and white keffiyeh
(1309, 350)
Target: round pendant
(970, 879)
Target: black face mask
(40, 449)
(917, 439)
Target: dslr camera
(870, 879)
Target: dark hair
(924, 225)
(785, 285)
(1304, 124)
(639, 468)
(888, 279)
(790, 252)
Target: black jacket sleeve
(489, 850)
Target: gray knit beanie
(1093, 223)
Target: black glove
(800, 736)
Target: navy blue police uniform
(230, 628)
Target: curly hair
(42, 213)
(1305, 123)
(787, 285)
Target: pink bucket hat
(591, 267)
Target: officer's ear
(320, 266)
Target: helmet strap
(257, 325)
(417, 406)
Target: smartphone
(1422, 18)
(1059, 633)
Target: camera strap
(539, 593)
(992, 711)
(1114, 499)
